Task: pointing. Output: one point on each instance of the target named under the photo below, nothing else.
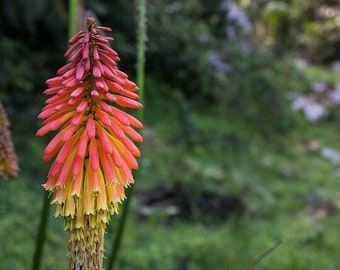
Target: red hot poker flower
(93, 152)
(8, 159)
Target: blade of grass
(263, 255)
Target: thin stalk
(41, 233)
(72, 17)
(263, 255)
(120, 230)
(140, 70)
(141, 32)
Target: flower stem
(141, 32)
(41, 233)
(120, 230)
(72, 18)
(141, 40)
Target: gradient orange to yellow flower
(8, 159)
(93, 152)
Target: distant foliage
(308, 27)
(28, 45)
(205, 51)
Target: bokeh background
(242, 125)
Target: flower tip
(43, 130)
(104, 28)
(90, 21)
(74, 39)
(54, 80)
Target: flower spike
(8, 159)
(93, 151)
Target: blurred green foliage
(217, 121)
(309, 27)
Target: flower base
(86, 247)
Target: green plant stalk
(140, 70)
(141, 31)
(41, 233)
(72, 18)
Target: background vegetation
(241, 132)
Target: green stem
(263, 255)
(41, 233)
(141, 32)
(72, 18)
(141, 39)
(120, 230)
